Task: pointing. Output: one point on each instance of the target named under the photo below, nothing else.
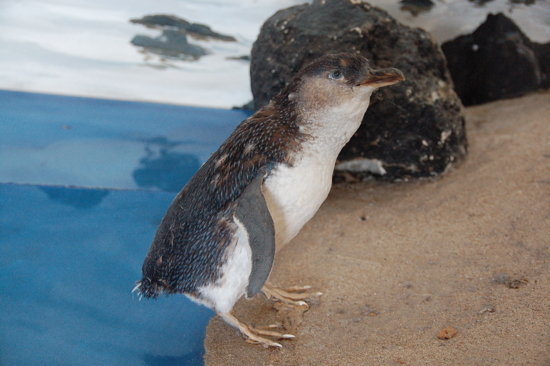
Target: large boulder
(496, 61)
(414, 128)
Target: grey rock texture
(412, 129)
(496, 61)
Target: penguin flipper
(253, 213)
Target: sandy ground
(397, 263)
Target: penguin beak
(380, 78)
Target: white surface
(82, 47)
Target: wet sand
(399, 262)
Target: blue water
(69, 256)
(58, 140)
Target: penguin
(218, 239)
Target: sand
(399, 262)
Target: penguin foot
(293, 295)
(254, 335)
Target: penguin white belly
(294, 193)
(235, 273)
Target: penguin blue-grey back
(218, 239)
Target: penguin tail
(148, 288)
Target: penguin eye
(335, 74)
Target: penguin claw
(292, 296)
(253, 335)
(271, 333)
(263, 343)
(297, 288)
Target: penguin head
(336, 86)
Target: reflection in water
(416, 7)
(480, 2)
(165, 169)
(76, 197)
(522, 2)
(172, 43)
(195, 30)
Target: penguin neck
(329, 129)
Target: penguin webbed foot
(254, 335)
(290, 304)
(294, 295)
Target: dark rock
(171, 43)
(496, 61)
(413, 128)
(543, 54)
(195, 30)
(416, 7)
(246, 107)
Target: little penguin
(218, 239)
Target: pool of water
(84, 184)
